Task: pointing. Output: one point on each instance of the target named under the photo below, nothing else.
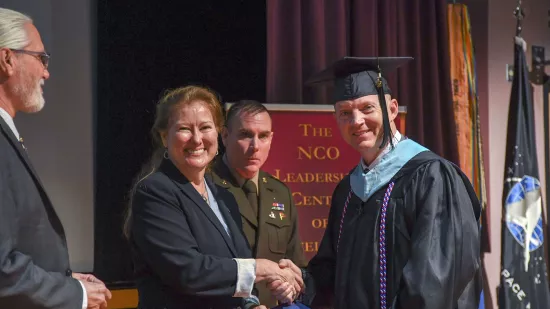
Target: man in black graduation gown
(403, 228)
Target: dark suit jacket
(34, 261)
(273, 234)
(182, 255)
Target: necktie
(364, 166)
(251, 191)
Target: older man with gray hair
(34, 260)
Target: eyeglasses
(44, 57)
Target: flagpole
(545, 104)
(519, 17)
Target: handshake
(284, 280)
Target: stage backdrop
(309, 155)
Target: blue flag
(523, 281)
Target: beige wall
(501, 29)
(59, 138)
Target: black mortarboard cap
(356, 77)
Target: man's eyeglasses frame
(44, 57)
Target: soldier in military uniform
(270, 220)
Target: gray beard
(33, 100)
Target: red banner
(309, 155)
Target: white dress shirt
(7, 118)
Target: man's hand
(282, 291)
(97, 294)
(87, 277)
(286, 263)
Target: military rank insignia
(278, 206)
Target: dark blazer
(182, 255)
(34, 261)
(273, 234)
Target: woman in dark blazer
(185, 232)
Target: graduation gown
(432, 242)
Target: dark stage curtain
(305, 36)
